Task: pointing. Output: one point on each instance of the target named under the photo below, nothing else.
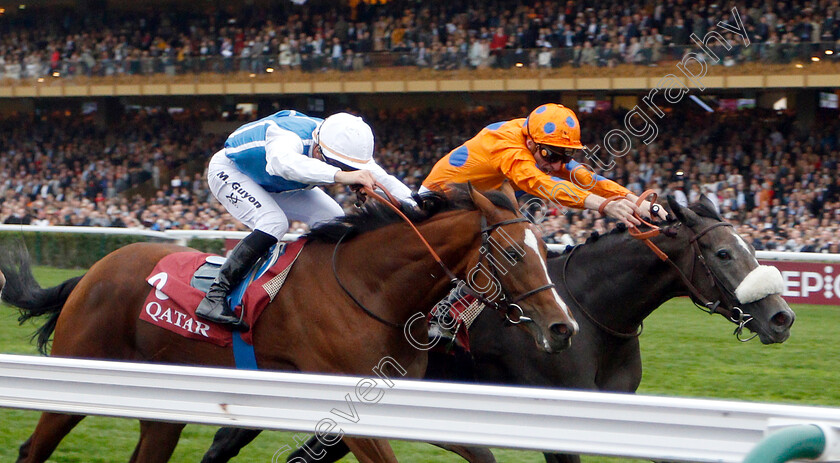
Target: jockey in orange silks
(536, 155)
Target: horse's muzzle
(780, 324)
(775, 328)
(558, 338)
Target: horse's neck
(407, 278)
(618, 280)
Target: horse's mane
(700, 208)
(374, 215)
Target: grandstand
(98, 39)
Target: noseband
(513, 312)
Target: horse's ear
(710, 207)
(684, 214)
(507, 189)
(481, 202)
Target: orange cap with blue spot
(554, 125)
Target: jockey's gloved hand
(623, 210)
(356, 177)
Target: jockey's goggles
(338, 164)
(553, 154)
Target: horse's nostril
(780, 319)
(560, 329)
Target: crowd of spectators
(320, 35)
(69, 169)
(779, 183)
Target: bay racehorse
(612, 284)
(314, 324)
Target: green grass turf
(685, 352)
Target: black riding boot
(214, 306)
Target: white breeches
(264, 211)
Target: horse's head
(749, 293)
(510, 269)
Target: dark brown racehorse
(313, 324)
(611, 284)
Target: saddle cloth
(172, 301)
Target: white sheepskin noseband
(763, 281)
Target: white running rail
(650, 427)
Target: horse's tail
(22, 291)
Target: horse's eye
(723, 254)
(513, 254)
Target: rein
(735, 314)
(592, 319)
(367, 311)
(503, 305)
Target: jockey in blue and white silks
(267, 174)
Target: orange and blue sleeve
(563, 189)
(527, 177)
(585, 179)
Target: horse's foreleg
(561, 458)
(471, 454)
(51, 428)
(23, 450)
(313, 451)
(157, 441)
(371, 450)
(227, 443)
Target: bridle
(726, 305)
(506, 304)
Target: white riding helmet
(347, 139)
